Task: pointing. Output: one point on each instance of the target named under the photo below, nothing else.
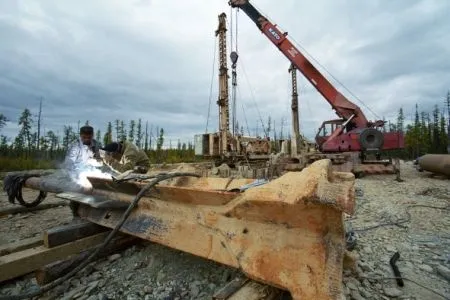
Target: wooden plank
(230, 288)
(20, 245)
(25, 261)
(71, 232)
(23, 209)
(253, 290)
(58, 269)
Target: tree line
(32, 148)
(427, 133)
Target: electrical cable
(401, 221)
(13, 184)
(253, 98)
(89, 259)
(243, 110)
(211, 84)
(407, 279)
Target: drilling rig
(225, 146)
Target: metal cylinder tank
(435, 163)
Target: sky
(154, 59)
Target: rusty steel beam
(288, 233)
(436, 163)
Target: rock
(390, 248)
(128, 277)
(444, 272)
(365, 267)
(365, 294)
(114, 257)
(351, 286)
(91, 287)
(212, 286)
(426, 268)
(102, 296)
(356, 296)
(75, 282)
(161, 276)
(71, 294)
(194, 291)
(148, 289)
(392, 292)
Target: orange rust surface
(288, 233)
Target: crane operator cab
(340, 136)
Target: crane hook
(234, 57)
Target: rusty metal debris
(288, 233)
(435, 163)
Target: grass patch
(21, 163)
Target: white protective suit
(80, 156)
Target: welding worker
(124, 156)
(83, 150)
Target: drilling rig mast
(223, 102)
(295, 140)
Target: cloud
(107, 60)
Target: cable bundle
(13, 184)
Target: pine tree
(122, 131)
(117, 128)
(107, 138)
(131, 132)
(98, 135)
(146, 136)
(26, 122)
(3, 120)
(139, 134)
(400, 120)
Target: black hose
(125, 216)
(13, 184)
(398, 275)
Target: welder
(124, 156)
(83, 151)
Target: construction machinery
(225, 145)
(352, 142)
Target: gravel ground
(150, 271)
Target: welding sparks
(90, 170)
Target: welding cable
(89, 259)
(400, 222)
(13, 184)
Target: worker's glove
(102, 153)
(107, 158)
(94, 163)
(140, 169)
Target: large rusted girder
(288, 233)
(435, 163)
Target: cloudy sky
(153, 59)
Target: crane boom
(342, 106)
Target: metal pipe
(436, 163)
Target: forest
(34, 149)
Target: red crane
(353, 131)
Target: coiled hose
(13, 184)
